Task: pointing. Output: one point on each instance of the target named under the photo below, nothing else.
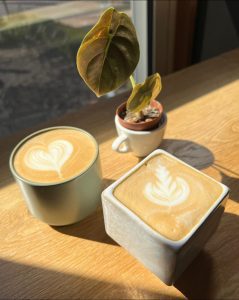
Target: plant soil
(146, 115)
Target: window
(38, 44)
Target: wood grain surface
(81, 261)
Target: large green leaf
(109, 52)
(144, 92)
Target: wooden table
(80, 261)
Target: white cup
(141, 143)
(164, 257)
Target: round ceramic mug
(141, 143)
(66, 202)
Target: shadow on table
(197, 279)
(233, 184)
(91, 228)
(194, 154)
(215, 274)
(20, 281)
(230, 181)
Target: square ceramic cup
(166, 258)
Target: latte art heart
(166, 191)
(58, 152)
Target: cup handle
(116, 146)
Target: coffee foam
(52, 159)
(168, 195)
(166, 190)
(55, 155)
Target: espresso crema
(168, 195)
(55, 156)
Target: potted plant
(107, 58)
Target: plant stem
(132, 81)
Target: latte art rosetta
(52, 159)
(166, 191)
(168, 195)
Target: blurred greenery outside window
(38, 45)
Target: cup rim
(143, 132)
(45, 184)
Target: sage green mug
(65, 202)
